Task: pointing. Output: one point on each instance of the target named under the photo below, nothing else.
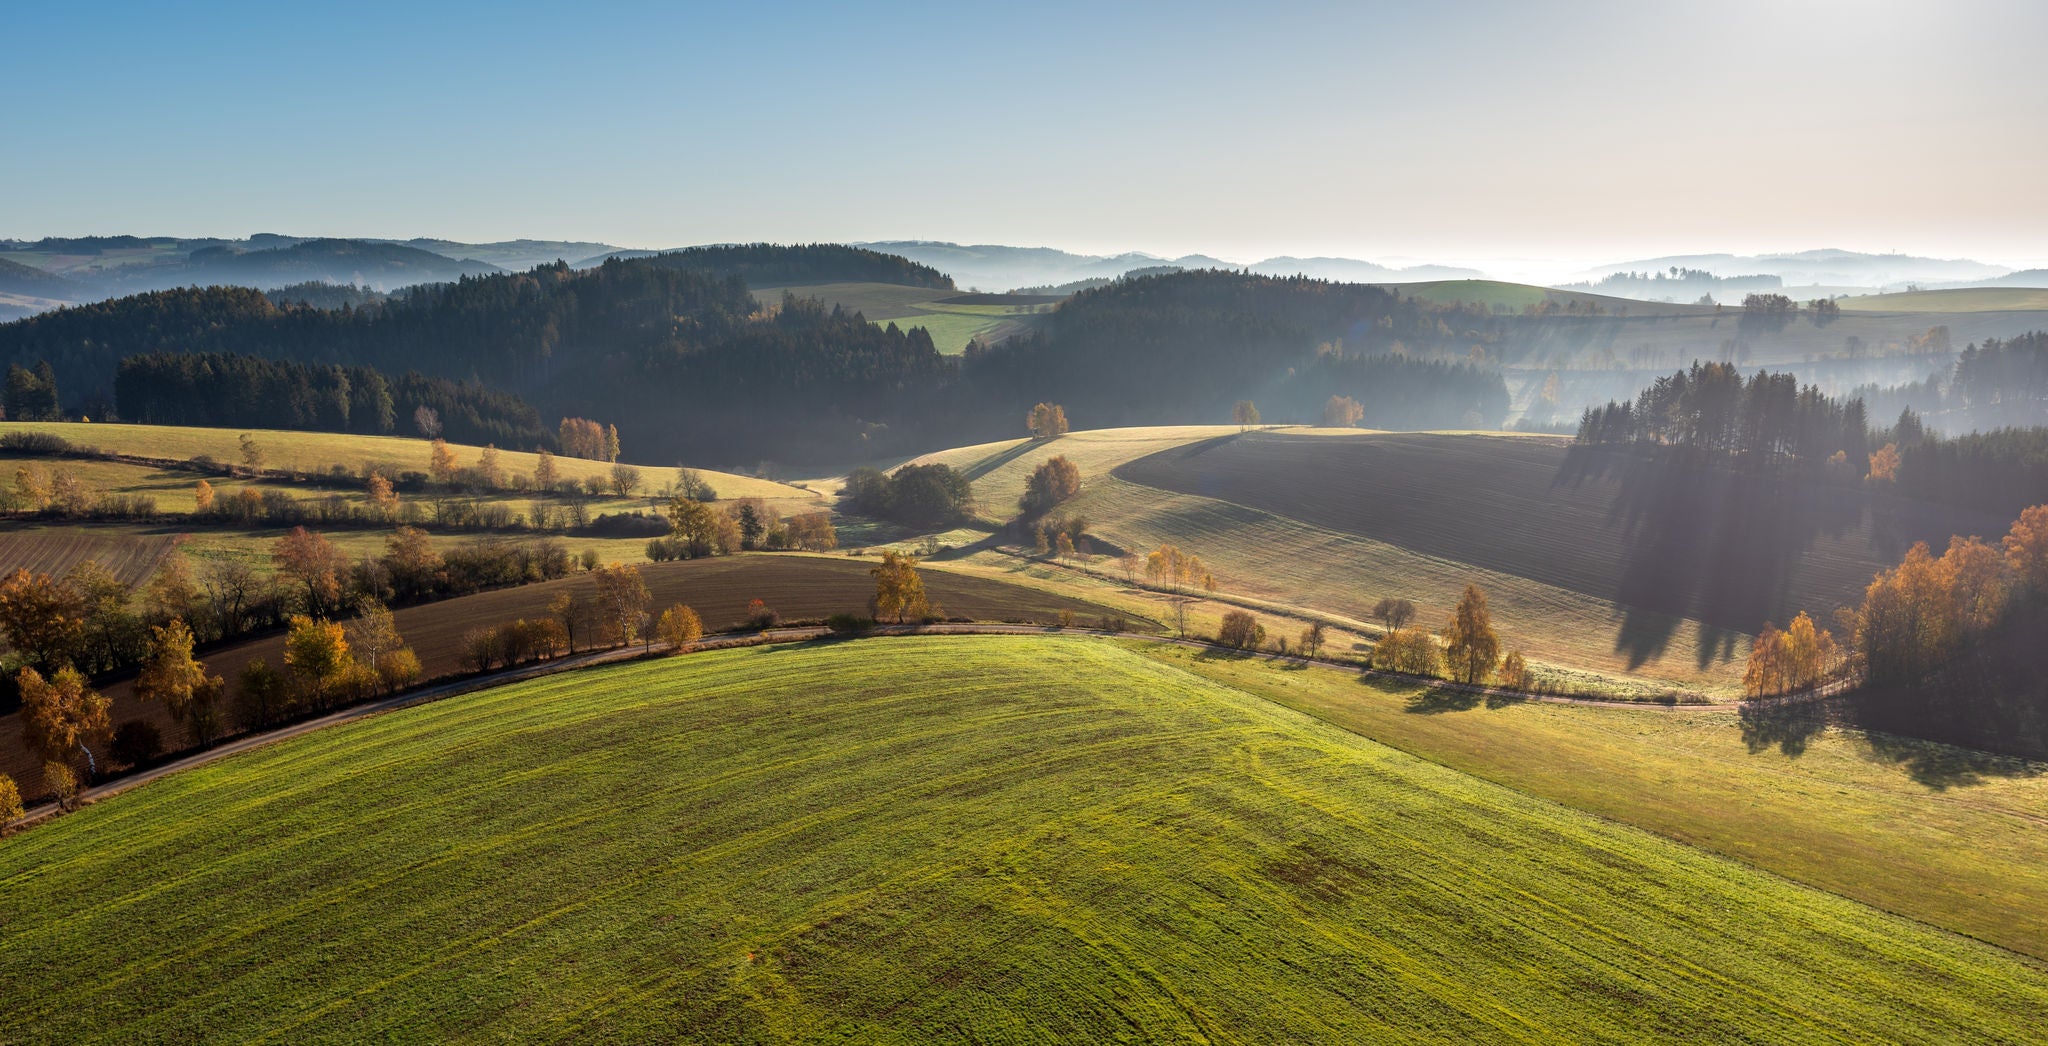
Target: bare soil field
(130, 554)
(799, 587)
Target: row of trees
(914, 495)
(1767, 419)
(698, 529)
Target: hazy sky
(1441, 131)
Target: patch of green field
(308, 452)
(962, 839)
(1944, 835)
(1963, 299)
(1514, 297)
(951, 325)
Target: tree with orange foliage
(1345, 412)
(61, 717)
(312, 563)
(1884, 464)
(1046, 421)
(441, 463)
(2026, 548)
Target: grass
(999, 470)
(309, 452)
(951, 324)
(1945, 835)
(1496, 294)
(959, 839)
(1962, 299)
(799, 587)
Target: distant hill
(997, 267)
(382, 266)
(774, 265)
(510, 254)
(16, 278)
(1827, 267)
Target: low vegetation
(896, 853)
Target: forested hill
(687, 364)
(770, 265)
(1184, 346)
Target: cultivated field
(966, 838)
(128, 554)
(1000, 469)
(799, 587)
(1949, 836)
(309, 452)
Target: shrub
(261, 697)
(136, 742)
(849, 623)
(1514, 671)
(680, 626)
(35, 443)
(10, 800)
(761, 616)
(1241, 631)
(484, 647)
(399, 668)
(1410, 650)
(63, 784)
(1066, 619)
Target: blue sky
(1454, 132)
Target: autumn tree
(680, 626)
(61, 717)
(1884, 464)
(1054, 480)
(1046, 421)
(171, 675)
(1342, 412)
(441, 463)
(490, 467)
(1312, 639)
(696, 525)
(691, 484)
(10, 801)
(316, 656)
(1766, 673)
(813, 531)
(1470, 648)
(899, 589)
(111, 635)
(1410, 650)
(566, 608)
(1245, 415)
(1170, 568)
(202, 498)
(383, 499)
(411, 563)
(1063, 549)
(2026, 548)
(315, 568)
(1393, 614)
(1514, 671)
(621, 602)
(611, 443)
(252, 452)
(1240, 631)
(544, 475)
(42, 619)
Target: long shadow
(1710, 543)
(1786, 727)
(1944, 766)
(998, 460)
(1436, 700)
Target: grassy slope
(999, 469)
(800, 587)
(1965, 299)
(1945, 835)
(962, 839)
(316, 451)
(1495, 294)
(951, 325)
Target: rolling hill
(993, 838)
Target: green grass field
(966, 839)
(308, 452)
(1945, 835)
(951, 324)
(1963, 299)
(1514, 297)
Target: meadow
(1015, 839)
(1962, 299)
(798, 587)
(1948, 836)
(953, 319)
(306, 453)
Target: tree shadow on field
(1436, 700)
(1941, 766)
(1786, 726)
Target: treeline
(31, 395)
(1176, 346)
(231, 390)
(1714, 415)
(769, 265)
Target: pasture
(1948, 836)
(952, 318)
(1024, 839)
(1961, 299)
(316, 452)
(799, 587)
